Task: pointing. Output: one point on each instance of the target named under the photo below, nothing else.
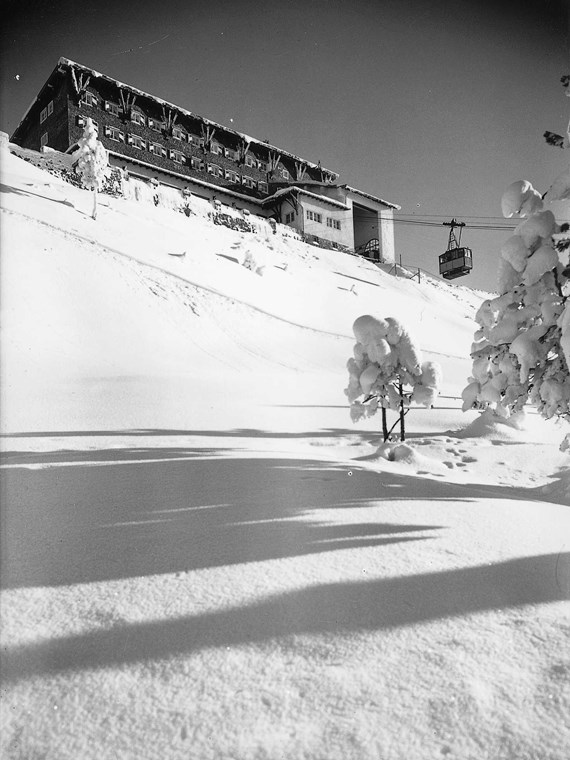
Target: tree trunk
(384, 425)
(94, 215)
(402, 430)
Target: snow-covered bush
(254, 264)
(386, 372)
(91, 161)
(521, 351)
(233, 222)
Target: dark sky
(433, 105)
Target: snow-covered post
(386, 372)
(91, 161)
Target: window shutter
(129, 139)
(107, 131)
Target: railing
(370, 250)
(406, 272)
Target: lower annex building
(152, 139)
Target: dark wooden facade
(141, 127)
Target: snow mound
(404, 454)
(521, 427)
(489, 426)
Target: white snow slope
(203, 558)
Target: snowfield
(202, 557)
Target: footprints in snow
(459, 457)
(460, 454)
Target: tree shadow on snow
(371, 437)
(16, 191)
(340, 608)
(120, 517)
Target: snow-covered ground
(203, 558)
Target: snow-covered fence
(135, 189)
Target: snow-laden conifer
(521, 351)
(386, 372)
(91, 161)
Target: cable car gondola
(456, 261)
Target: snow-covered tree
(386, 372)
(521, 350)
(91, 161)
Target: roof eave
(300, 191)
(371, 197)
(240, 135)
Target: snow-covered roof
(371, 197)
(241, 135)
(293, 189)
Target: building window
(248, 181)
(285, 174)
(333, 223)
(289, 218)
(216, 148)
(137, 142)
(112, 108)
(114, 134)
(197, 163)
(138, 118)
(44, 139)
(233, 155)
(158, 126)
(176, 156)
(232, 176)
(263, 187)
(250, 161)
(178, 134)
(88, 99)
(50, 108)
(43, 115)
(262, 166)
(314, 217)
(215, 170)
(197, 142)
(157, 149)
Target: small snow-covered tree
(519, 352)
(386, 372)
(91, 161)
